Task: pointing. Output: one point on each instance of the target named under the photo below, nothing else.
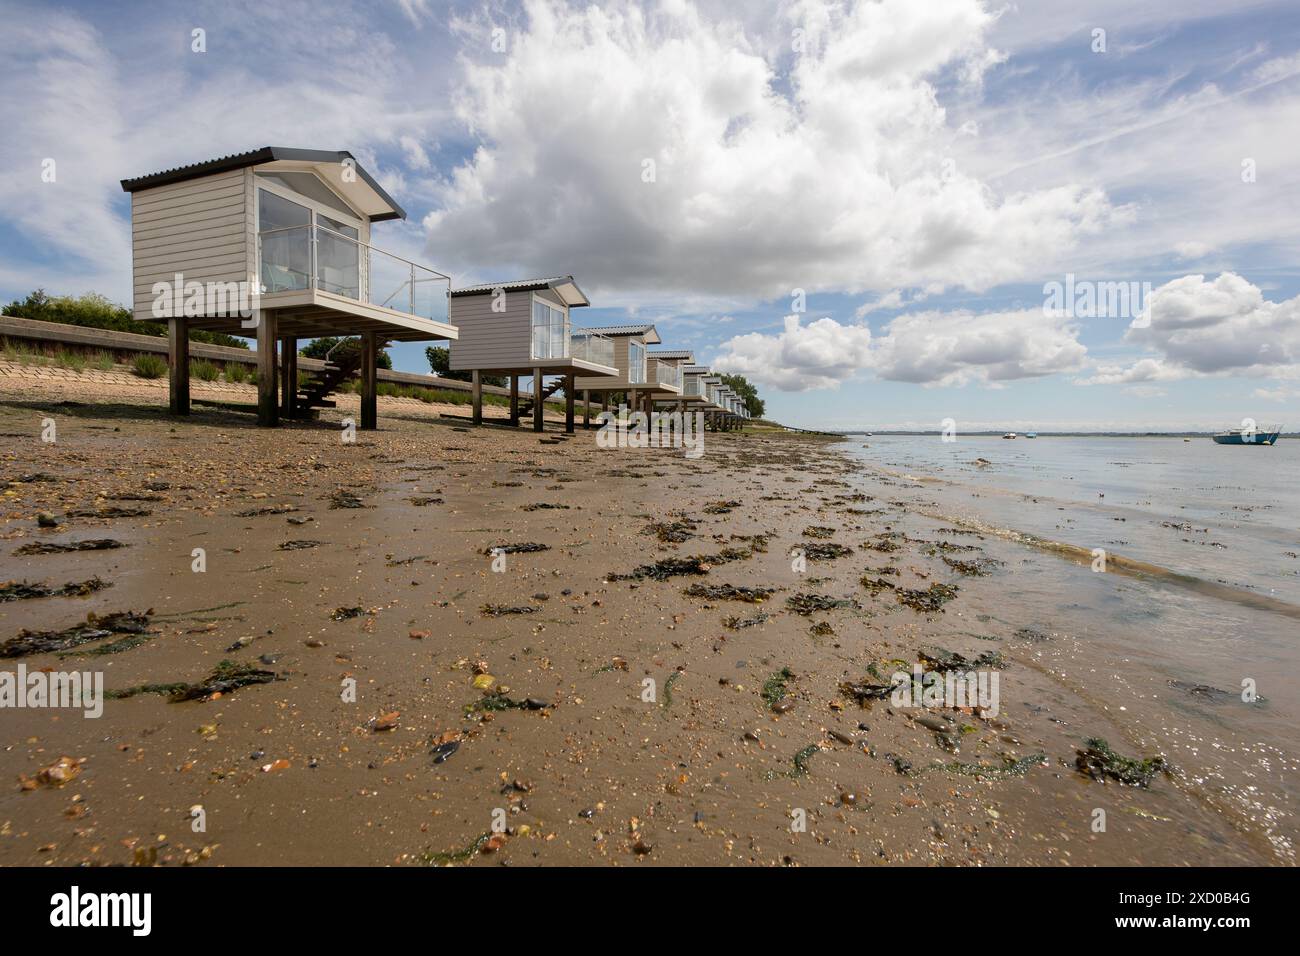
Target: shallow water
(1224, 513)
(1137, 644)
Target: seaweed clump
(774, 687)
(226, 677)
(1099, 762)
(672, 567)
(825, 552)
(525, 547)
(942, 661)
(800, 762)
(728, 592)
(49, 547)
(19, 591)
(865, 691)
(738, 623)
(807, 604)
(929, 600)
(95, 627)
(499, 610)
(671, 532)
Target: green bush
(236, 372)
(146, 365)
(204, 371)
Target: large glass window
(286, 243)
(287, 230)
(337, 262)
(635, 363)
(550, 331)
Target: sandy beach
(590, 697)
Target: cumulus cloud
(927, 348)
(821, 354)
(991, 348)
(1220, 327)
(823, 168)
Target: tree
(94, 311)
(748, 394)
(319, 348)
(439, 357)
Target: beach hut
(524, 328)
(634, 369)
(274, 244)
(680, 360)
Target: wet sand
(591, 772)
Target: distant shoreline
(1000, 433)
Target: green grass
(236, 372)
(146, 365)
(204, 371)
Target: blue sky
(855, 205)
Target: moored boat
(1009, 435)
(1248, 435)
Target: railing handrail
(372, 248)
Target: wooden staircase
(341, 363)
(526, 404)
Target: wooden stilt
(568, 403)
(369, 381)
(178, 361)
(288, 375)
(514, 400)
(537, 399)
(268, 410)
(586, 408)
(477, 379)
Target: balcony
(668, 375)
(591, 347)
(314, 266)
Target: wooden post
(514, 400)
(477, 379)
(604, 401)
(537, 399)
(268, 409)
(369, 381)
(568, 403)
(586, 408)
(178, 361)
(631, 401)
(288, 375)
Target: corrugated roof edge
(256, 157)
(523, 285)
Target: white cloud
(1200, 328)
(822, 170)
(927, 348)
(821, 354)
(955, 348)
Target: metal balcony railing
(591, 347)
(313, 257)
(668, 374)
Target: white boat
(1009, 435)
